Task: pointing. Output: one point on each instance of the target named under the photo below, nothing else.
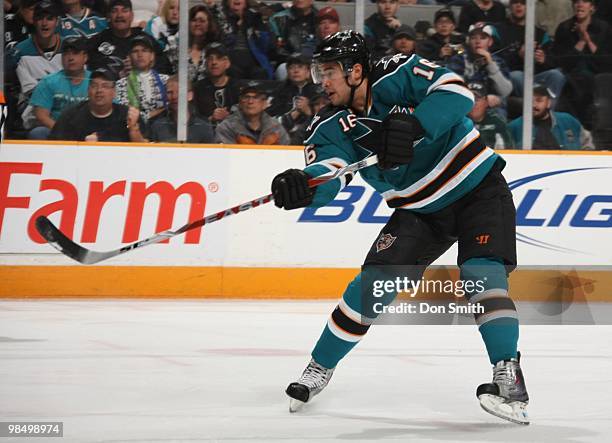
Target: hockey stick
(66, 246)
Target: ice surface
(215, 371)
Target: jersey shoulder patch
(389, 64)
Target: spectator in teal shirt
(551, 130)
(59, 90)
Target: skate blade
(295, 405)
(515, 411)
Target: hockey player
(445, 185)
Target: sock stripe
(490, 293)
(354, 315)
(341, 333)
(347, 324)
(495, 304)
(502, 313)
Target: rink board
(108, 195)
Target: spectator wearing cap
(488, 11)
(203, 30)
(250, 124)
(291, 102)
(40, 54)
(295, 30)
(79, 20)
(99, 118)
(164, 128)
(60, 90)
(493, 129)
(551, 130)
(446, 41)
(478, 64)
(404, 41)
(380, 27)
(248, 38)
(165, 24)
(143, 88)
(19, 25)
(218, 92)
(328, 22)
(583, 50)
(512, 42)
(111, 47)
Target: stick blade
(59, 241)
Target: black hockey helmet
(347, 48)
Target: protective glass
(321, 72)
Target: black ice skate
(506, 397)
(313, 380)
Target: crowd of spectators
(102, 70)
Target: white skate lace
(315, 375)
(505, 373)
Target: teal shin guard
(345, 327)
(498, 324)
(330, 349)
(500, 337)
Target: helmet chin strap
(352, 96)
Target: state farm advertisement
(105, 197)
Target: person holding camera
(446, 42)
(478, 64)
(291, 102)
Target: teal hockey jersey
(447, 162)
(86, 26)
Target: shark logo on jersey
(384, 242)
(386, 61)
(314, 121)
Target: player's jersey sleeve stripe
(450, 77)
(332, 165)
(457, 89)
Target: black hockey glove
(399, 132)
(291, 190)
